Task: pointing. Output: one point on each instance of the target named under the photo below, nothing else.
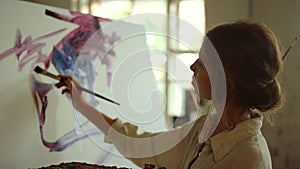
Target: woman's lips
(194, 83)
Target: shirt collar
(223, 142)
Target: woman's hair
(251, 59)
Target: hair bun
(266, 98)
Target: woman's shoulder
(253, 149)
(251, 152)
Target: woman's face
(201, 80)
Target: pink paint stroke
(31, 46)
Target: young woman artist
(251, 58)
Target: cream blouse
(243, 147)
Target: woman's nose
(192, 67)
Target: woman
(250, 56)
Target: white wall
(283, 18)
(217, 11)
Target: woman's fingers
(68, 78)
(70, 85)
(60, 84)
(75, 81)
(66, 91)
(65, 77)
(65, 81)
(62, 81)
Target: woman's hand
(70, 84)
(99, 119)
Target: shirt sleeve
(164, 149)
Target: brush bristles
(37, 69)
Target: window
(172, 50)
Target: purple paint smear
(31, 47)
(64, 57)
(39, 92)
(74, 45)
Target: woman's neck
(230, 119)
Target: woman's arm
(165, 149)
(99, 119)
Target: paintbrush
(38, 69)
